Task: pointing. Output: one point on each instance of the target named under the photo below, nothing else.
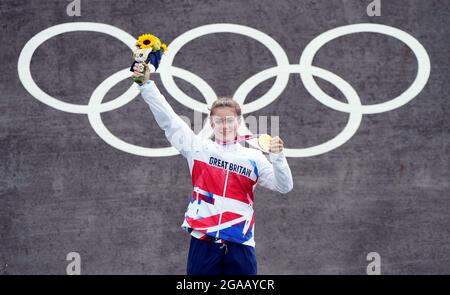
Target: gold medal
(264, 141)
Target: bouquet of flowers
(148, 50)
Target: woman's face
(225, 123)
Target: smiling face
(225, 123)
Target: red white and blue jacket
(224, 176)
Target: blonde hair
(225, 101)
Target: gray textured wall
(386, 190)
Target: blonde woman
(220, 215)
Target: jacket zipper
(221, 209)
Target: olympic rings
(275, 48)
(281, 71)
(27, 52)
(416, 87)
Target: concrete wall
(386, 190)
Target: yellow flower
(150, 41)
(157, 41)
(146, 41)
(157, 44)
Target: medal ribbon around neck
(264, 140)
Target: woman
(224, 174)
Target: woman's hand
(276, 145)
(136, 72)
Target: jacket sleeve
(277, 175)
(179, 134)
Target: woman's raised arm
(179, 134)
